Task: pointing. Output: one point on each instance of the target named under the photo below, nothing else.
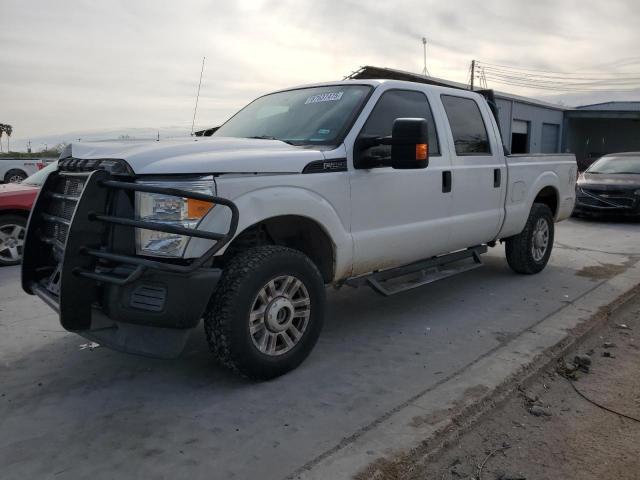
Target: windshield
(616, 165)
(317, 115)
(38, 178)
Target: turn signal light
(422, 151)
(197, 208)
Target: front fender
(268, 202)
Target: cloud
(73, 65)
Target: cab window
(467, 126)
(397, 104)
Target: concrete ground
(547, 430)
(69, 412)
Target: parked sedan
(610, 186)
(16, 200)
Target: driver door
(398, 216)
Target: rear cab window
(468, 128)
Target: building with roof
(595, 130)
(532, 126)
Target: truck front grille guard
(142, 264)
(65, 216)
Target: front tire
(529, 251)
(266, 315)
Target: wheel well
(549, 197)
(293, 231)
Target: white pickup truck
(15, 170)
(383, 183)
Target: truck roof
(374, 83)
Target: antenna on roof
(197, 97)
(425, 72)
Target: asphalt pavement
(68, 411)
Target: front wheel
(267, 312)
(529, 251)
(12, 232)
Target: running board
(423, 272)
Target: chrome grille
(608, 198)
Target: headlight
(178, 211)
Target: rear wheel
(14, 176)
(267, 312)
(12, 231)
(529, 251)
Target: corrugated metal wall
(537, 116)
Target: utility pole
(197, 97)
(425, 72)
(473, 72)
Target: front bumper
(80, 259)
(595, 211)
(607, 203)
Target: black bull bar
(107, 295)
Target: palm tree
(8, 129)
(1, 133)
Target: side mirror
(409, 143)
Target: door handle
(497, 177)
(446, 181)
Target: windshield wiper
(268, 137)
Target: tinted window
(398, 104)
(469, 132)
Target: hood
(13, 189)
(202, 155)
(609, 180)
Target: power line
(560, 77)
(554, 81)
(547, 71)
(560, 88)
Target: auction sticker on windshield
(324, 97)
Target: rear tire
(529, 251)
(261, 322)
(14, 176)
(12, 232)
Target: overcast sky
(87, 66)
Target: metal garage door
(550, 136)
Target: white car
(383, 183)
(15, 170)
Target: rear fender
(520, 200)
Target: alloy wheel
(11, 242)
(279, 315)
(540, 241)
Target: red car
(16, 200)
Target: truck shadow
(359, 324)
